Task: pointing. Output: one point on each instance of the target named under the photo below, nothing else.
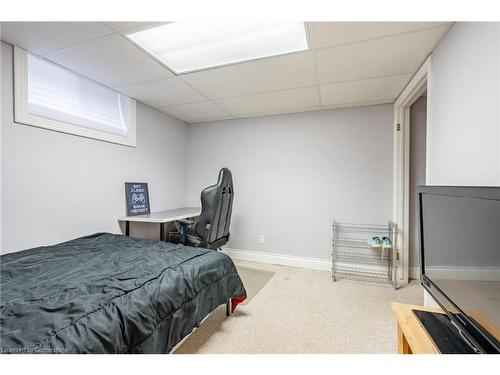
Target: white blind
(58, 94)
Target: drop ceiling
(349, 64)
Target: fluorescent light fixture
(190, 46)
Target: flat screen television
(460, 259)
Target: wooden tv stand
(413, 338)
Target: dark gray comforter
(109, 293)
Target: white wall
(56, 187)
(294, 173)
(464, 105)
(1, 100)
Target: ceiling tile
(132, 26)
(381, 57)
(269, 74)
(325, 34)
(271, 101)
(113, 61)
(163, 92)
(193, 112)
(384, 89)
(45, 37)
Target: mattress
(108, 293)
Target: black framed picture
(137, 196)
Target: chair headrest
(225, 178)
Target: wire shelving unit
(353, 257)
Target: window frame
(23, 117)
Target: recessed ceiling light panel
(190, 46)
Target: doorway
(418, 85)
(418, 135)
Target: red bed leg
(235, 301)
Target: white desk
(161, 218)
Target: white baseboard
(450, 273)
(460, 273)
(414, 273)
(282, 260)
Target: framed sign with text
(137, 198)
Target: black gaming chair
(211, 229)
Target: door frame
(401, 162)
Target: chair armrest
(204, 242)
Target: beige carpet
(303, 311)
(254, 280)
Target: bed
(108, 293)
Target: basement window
(190, 46)
(50, 96)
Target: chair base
(188, 240)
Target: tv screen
(460, 258)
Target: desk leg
(403, 346)
(127, 228)
(162, 231)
